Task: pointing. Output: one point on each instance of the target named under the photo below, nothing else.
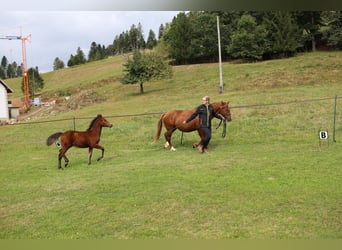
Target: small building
(5, 91)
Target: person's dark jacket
(201, 111)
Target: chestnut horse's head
(223, 109)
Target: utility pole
(219, 50)
(25, 72)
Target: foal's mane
(92, 123)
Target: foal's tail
(52, 138)
(159, 128)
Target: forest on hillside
(191, 37)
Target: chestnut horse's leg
(168, 135)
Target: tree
(333, 33)
(92, 52)
(283, 34)
(310, 22)
(10, 71)
(96, 52)
(2, 73)
(151, 40)
(3, 67)
(145, 67)
(204, 45)
(178, 38)
(248, 41)
(36, 82)
(161, 31)
(136, 37)
(79, 58)
(58, 64)
(20, 70)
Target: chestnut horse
(173, 120)
(82, 139)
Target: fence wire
(250, 120)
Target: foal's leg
(102, 151)
(90, 153)
(66, 160)
(60, 159)
(61, 155)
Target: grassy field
(270, 178)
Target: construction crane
(25, 72)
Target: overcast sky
(60, 33)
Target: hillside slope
(97, 85)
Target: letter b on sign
(323, 135)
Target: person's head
(206, 99)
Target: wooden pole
(220, 59)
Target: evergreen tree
(178, 38)
(160, 31)
(92, 52)
(72, 61)
(3, 68)
(36, 82)
(20, 71)
(151, 40)
(58, 64)
(141, 44)
(2, 73)
(11, 71)
(79, 58)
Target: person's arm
(218, 116)
(193, 116)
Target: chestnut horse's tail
(159, 128)
(52, 138)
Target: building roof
(8, 89)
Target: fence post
(74, 120)
(334, 139)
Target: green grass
(270, 178)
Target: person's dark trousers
(207, 136)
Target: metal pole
(334, 140)
(219, 48)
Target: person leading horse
(205, 112)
